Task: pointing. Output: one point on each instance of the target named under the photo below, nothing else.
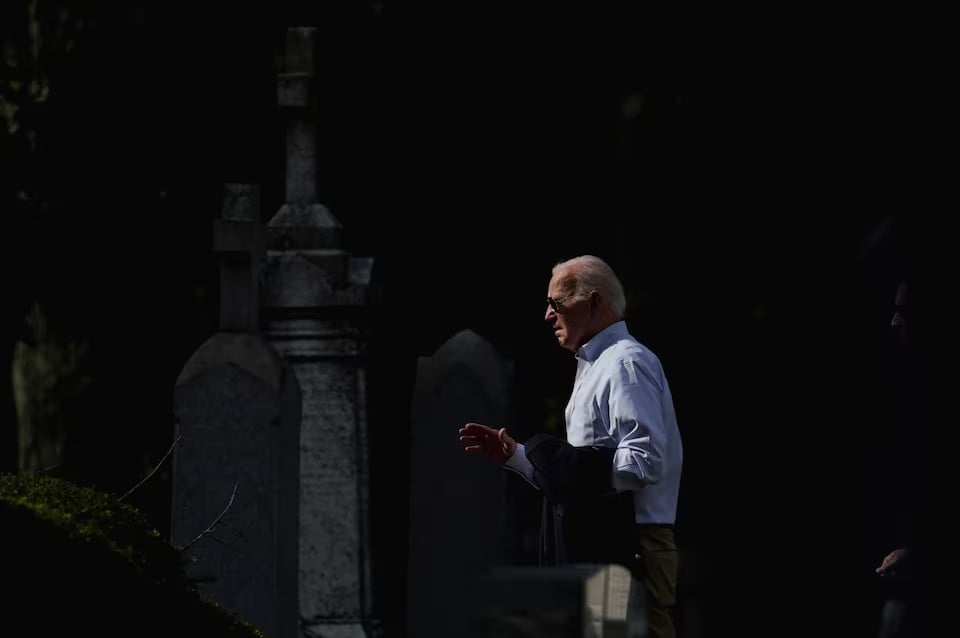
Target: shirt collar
(592, 349)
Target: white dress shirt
(621, 400)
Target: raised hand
(490, 443)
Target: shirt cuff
(625, 480)
(519, 463)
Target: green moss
(80, 560)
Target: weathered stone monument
(313, 302)
(46, 374)
(573, 601)
(457, 501)
(237, 460)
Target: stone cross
(313, 302)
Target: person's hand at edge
(893, 560)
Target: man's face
(570, 319)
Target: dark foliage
(79, 561)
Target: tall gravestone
(314, 298)
(236, 462)
(457, 501)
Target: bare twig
(213, 526)
(154, 471)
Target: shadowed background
(728, 172)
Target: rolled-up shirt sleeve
(519, 463)
(636, 423)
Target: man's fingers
(472, 441)
(477, 428)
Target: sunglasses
(556, 304)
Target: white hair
(590, 273)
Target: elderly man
(614, 482)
